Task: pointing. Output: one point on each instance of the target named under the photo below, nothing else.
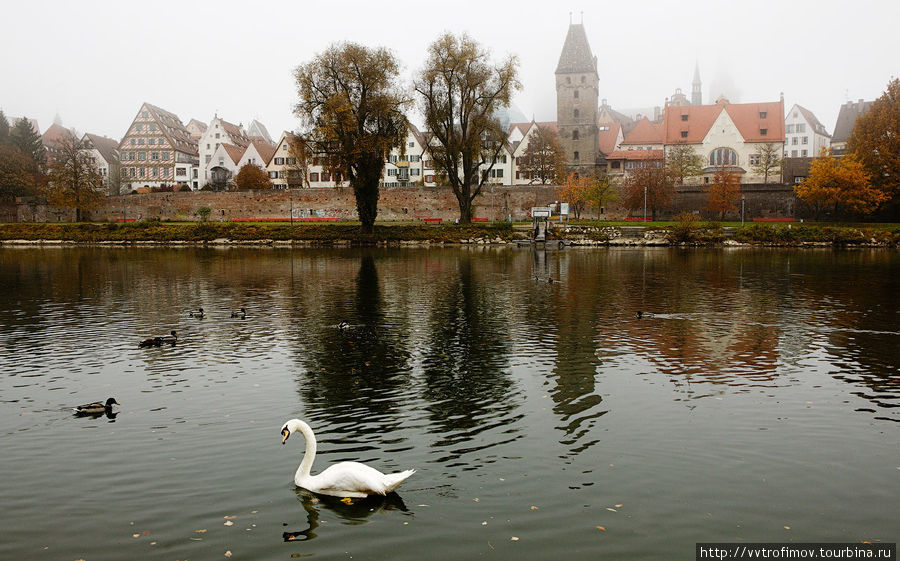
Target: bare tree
(460, 92)
(768, 160)
(73, 178)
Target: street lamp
(742, 211)
(291, 198)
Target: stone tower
(696, 85)
(577, 93)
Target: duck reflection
(349, 511)
(110, 415)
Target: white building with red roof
(804, 135)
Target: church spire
(696, 87)
(576, 56)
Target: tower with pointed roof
(577, 94)
(696, 86)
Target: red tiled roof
(606, 139)
(264, 149)
(237, 135)
(745, 116)
(645, 132)
(636, 155)
(234, 152)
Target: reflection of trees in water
(467, 389)
(564, 317)
(356, 375)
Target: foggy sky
(95, 62)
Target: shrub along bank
(682, 232)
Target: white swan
(344, 479)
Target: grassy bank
(675, 233)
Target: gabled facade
(104, 154)
(406, 167)
(257, 153)
(726, 134)
(519, 138)
(257, 129)
(846, 120)
(804, 135)
(223, 165)
(218, 132)
(157, 150)
(283, 168)
(196, 128)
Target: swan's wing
(349, 479)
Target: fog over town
(92, 64)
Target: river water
(755, 400)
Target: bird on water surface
(197, 314)
(344, 479)
(159, 340)
(97, 407)
(240, 314)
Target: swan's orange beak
(285, 434)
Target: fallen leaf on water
(255, 511)
(229, 523)
(135, 535)
(611, 509)
(200, 531)
(533, 507)
(787, 527)
(476, 499)
(145, 533)
(228, 553)
(514, 539)
(290, 538)
(601, 528)
(619, 506)
(504, 479)
(229, 517)
(152, 543)
(347, 501)
(484, 523)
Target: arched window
(723, 157)
(575, 113)
(575, 134)
(575, 156)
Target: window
(575, 134)
(684, 134)
(428, 164)
(142, 156)
(133, 142)
(165, 155)
(576, 94)
(790, 128)
(141, 172)
(794, 140)
(429, 179)
(804, 153)
(763, 132)
(207, 147)
(616, 165)
(152, 127)
(798, 179)
(801, 127)
(575, 156)
(290, 161)
(684, 117)
(630, 165)
(153, 172)
(762, 114)
(279, 161)
(145, 114)
(138, 127)
(131, 172)
(575, 113)
(414, 171)
(723, 157)
(141, 141)
(582, 79)
(568, 79)
(181, 172)
(327, 176)
(603, 128)
(123, 156)
(208, 158)
(754, 159)
(164, 172)
(793, 153)
(391, 172)
(411, 144)
(415, 158)
(154, 155)
(805, 140)
(131, 156)
(217, 135)
(313, 177)
(273, 175)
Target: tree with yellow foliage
(724, 191)
(842, 184)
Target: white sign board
(564, 209)
(540, 212)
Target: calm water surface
(759, 402)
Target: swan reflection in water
(349, 511)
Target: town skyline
(644, 54)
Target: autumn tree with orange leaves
(657, 182)
(724, 191)
(875, 142)
(842, 184)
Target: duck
(343, 326)
(159, 340)
(344, 479)
(197, 314)
(97, 407)
(240, 314)
(641, 315)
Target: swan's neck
(310, 454)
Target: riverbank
(580, 234)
